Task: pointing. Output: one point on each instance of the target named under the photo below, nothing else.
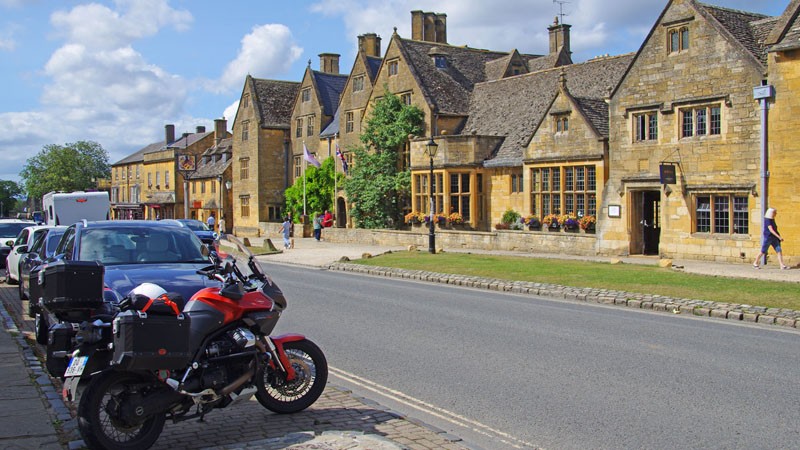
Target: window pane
(684, 39)
(701, 121)
(569, 178)
(716, 120)
(675, 41)
(579, 179)
(591, 180)
(653, 126)
(703, 214)
(688, 125)
(740, 215)
(721, 214)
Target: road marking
(433, 410)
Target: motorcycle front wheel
(99, 419)
(285, 397)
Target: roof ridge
(738, 11)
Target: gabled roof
(374, 65)
(750, 30)
(274, 101)
(329, 88)
(514, 107)
(786, 32)
(138, 156)
(447, 89)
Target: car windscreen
(196, 226)
(143, 245)
(11, 230)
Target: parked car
(132, 252)
(43, 247)
(206, 234)
(24, 241)
(9, 230)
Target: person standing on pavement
(770, 237)
(318, 227)
(327, 219)
(286, 230)
(221, 225)
(211, 221)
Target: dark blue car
(134, 252)
(206, 234)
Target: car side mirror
(10, 243)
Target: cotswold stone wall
(533, 241)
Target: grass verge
(621, 277)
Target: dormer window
(358, 83)
(306, 95)
(393, 67)
(561, 123)
(440, 62)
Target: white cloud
(267, 52)
(230, 113)
(98, 86)
(109, 28)
(7, 44)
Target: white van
(66, 208)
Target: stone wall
(533, 241)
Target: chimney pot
(169, 134)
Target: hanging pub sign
(667, 173)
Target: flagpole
(304, 179)
(335, 172)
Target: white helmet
(149, 290)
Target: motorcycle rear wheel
(98, 419)
(285, 397)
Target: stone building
(126, 184)
(783, 164)
(207, 184)
(261, 154)
(314, 108)
(686, 104)
(162, 192)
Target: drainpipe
(763, 93)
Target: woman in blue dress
(770, 237)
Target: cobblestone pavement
(338, 420)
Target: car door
(20, 248)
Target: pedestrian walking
(770, 237)
(318, 227)
(286, 230)
(211, 221)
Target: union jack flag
(341, 156)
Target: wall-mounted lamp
(667, 190)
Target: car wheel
(22, 295)
(8, 277)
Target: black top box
(72, 289)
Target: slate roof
(746, 27)
(374, 65)
(186, 141)
(333, 128)
(216, 166)
(138, 156)
(786, 33)
(329, 88)
(274, 102)
(515, 107)
(448, 90)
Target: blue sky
(117, 71)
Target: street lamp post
(431, 148)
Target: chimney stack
(559, 37)
(429, 27)
(371, 44)
(169, 134)
(220, 130)
(329, 63)
(200, 129)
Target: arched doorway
(341, 213)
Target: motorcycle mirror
(228, 268)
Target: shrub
(510, 216)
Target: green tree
(319, 190)
(9, 190)
(71, 167)
(377, 188)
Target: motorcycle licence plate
(76, 366)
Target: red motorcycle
(157, 359)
